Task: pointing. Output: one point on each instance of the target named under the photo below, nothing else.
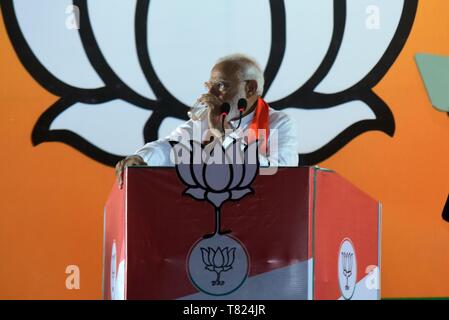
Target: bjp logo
(127, 73)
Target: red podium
(305, 233)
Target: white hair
(249, 69)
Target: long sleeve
(157, 153)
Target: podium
(304, 233)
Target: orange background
(52, 196)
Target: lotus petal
(238, 194)
(231, 257)
(317, 127)
(364, 43)
(205, 256)
(57, 48)
(210, 255)
(181, 46)
(251, 164)
(218, 258)
(117, 18)
(309, 29)
(102, 125)
(196, 193)
(217, 176)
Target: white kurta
(282, 141)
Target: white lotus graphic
(129, 73)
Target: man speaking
(236, 81)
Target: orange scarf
(260, 122)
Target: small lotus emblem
(218, 261)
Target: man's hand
(128, 161)
(214, 114)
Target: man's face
(225, 84)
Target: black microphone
(241, 106)
(225, 108)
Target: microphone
(241, 105)
(225, 108)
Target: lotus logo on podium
(347, 266)
(347, 269)
(218, 263)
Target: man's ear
(251, 88)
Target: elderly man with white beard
(232, 78)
